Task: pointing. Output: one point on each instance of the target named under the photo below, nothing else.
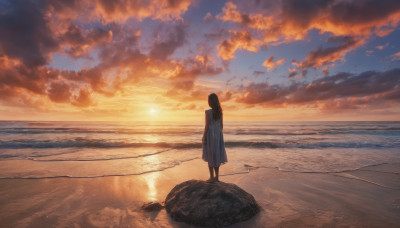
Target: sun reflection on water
(152, 178)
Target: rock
(210, 204)
(152, 206)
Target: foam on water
(96, 149)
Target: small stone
(213, 204)
(152, 206)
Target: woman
(213, 140)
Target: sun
(152, 111)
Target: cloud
(381, 47)
(263, 93)
(166, 48)
(241, 40)
(208, 17)
(32, 80)
(59, 92)
(258, 73)
(395, 57)
(32, 32)
(197, 66)
(323, 56)
(155, 9)
(270, 64)
(83, 99)
(78, 42)
(369, 52)
(371, 87)
(290, 20)
(25, 33)
(293, 72)
(225, 95)
(187, 70)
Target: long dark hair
(213, 102)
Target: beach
(58, 174)
(369, 197)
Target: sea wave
(41, 159)
(81, 142)
(95, 131)
(7, 129)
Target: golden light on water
(152, 178)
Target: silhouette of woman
(213, 140)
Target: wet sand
(369, 197)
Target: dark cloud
(208, 17)
(31, 79)
(261, 93)
(367, 87)
(165, 48)
(363, 12)
(79, 43)
(59, 92)
(301, 13)
(258, 73)
(293, 72)
(25, 33)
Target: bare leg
(216, 169)
(211, 174)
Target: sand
(369, 197)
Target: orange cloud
(292, 20)
(77, 42)
(381, 47)
(270, 64)
(396, 56)
(155, 9)
(323, 56)
(240, 40)
(83, 99)
(59, 92)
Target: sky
(158, 60)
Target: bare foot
(210, 180)
(216, 179)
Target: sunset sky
(122, 60)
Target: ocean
(46, 149)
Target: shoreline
(368, 197)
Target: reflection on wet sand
(151, 178)
(288, 199)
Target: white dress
(214, 150)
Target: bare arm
(206, 128)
